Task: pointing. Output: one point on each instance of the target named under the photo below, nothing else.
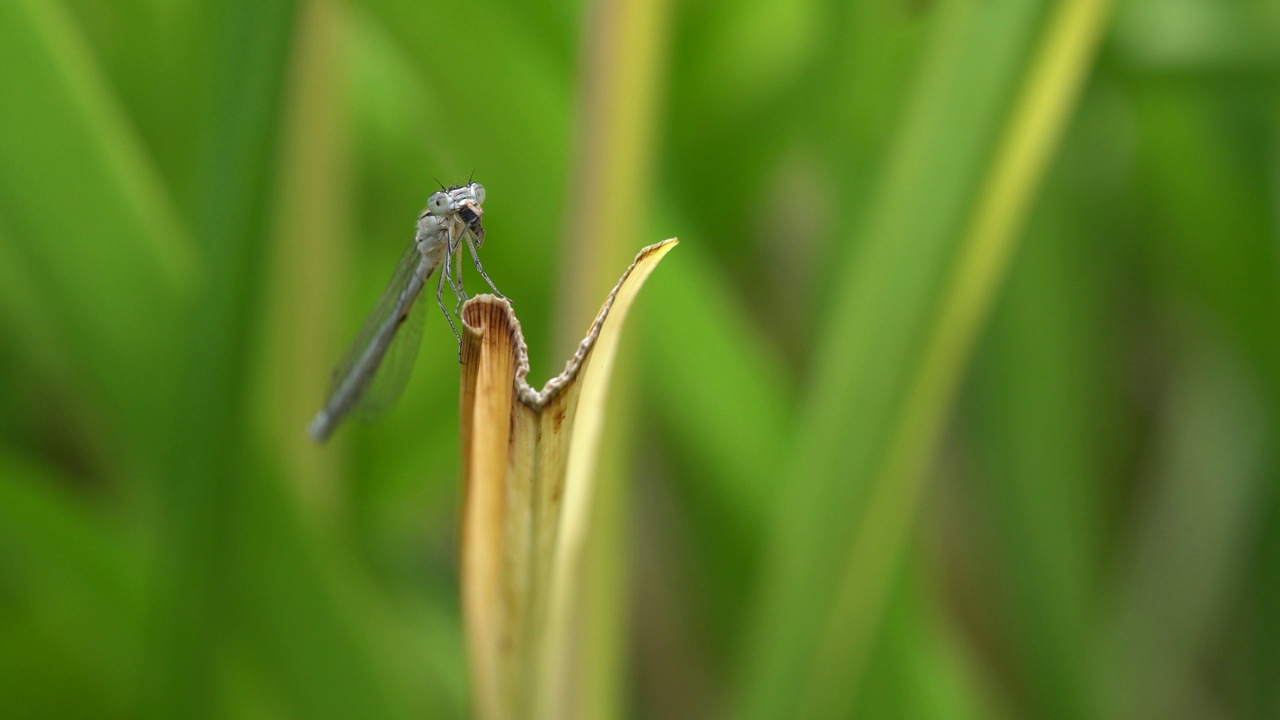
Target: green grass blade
(209, 447)
(73, 587)
(88, 224)
(886, 378)
(1044, 443)
(1185, 549)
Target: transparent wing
(401, 281)
(397, 364)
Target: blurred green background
(957, 400)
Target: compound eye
(438, 203)
(478, 191)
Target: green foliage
(872, 480)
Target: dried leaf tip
(528, 471)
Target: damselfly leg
(480, 268)
(444, 274)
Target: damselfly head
(452, 199)
(462, 201)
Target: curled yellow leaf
(528, 469)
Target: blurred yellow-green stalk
(960, 399)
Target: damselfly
(376, 367)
